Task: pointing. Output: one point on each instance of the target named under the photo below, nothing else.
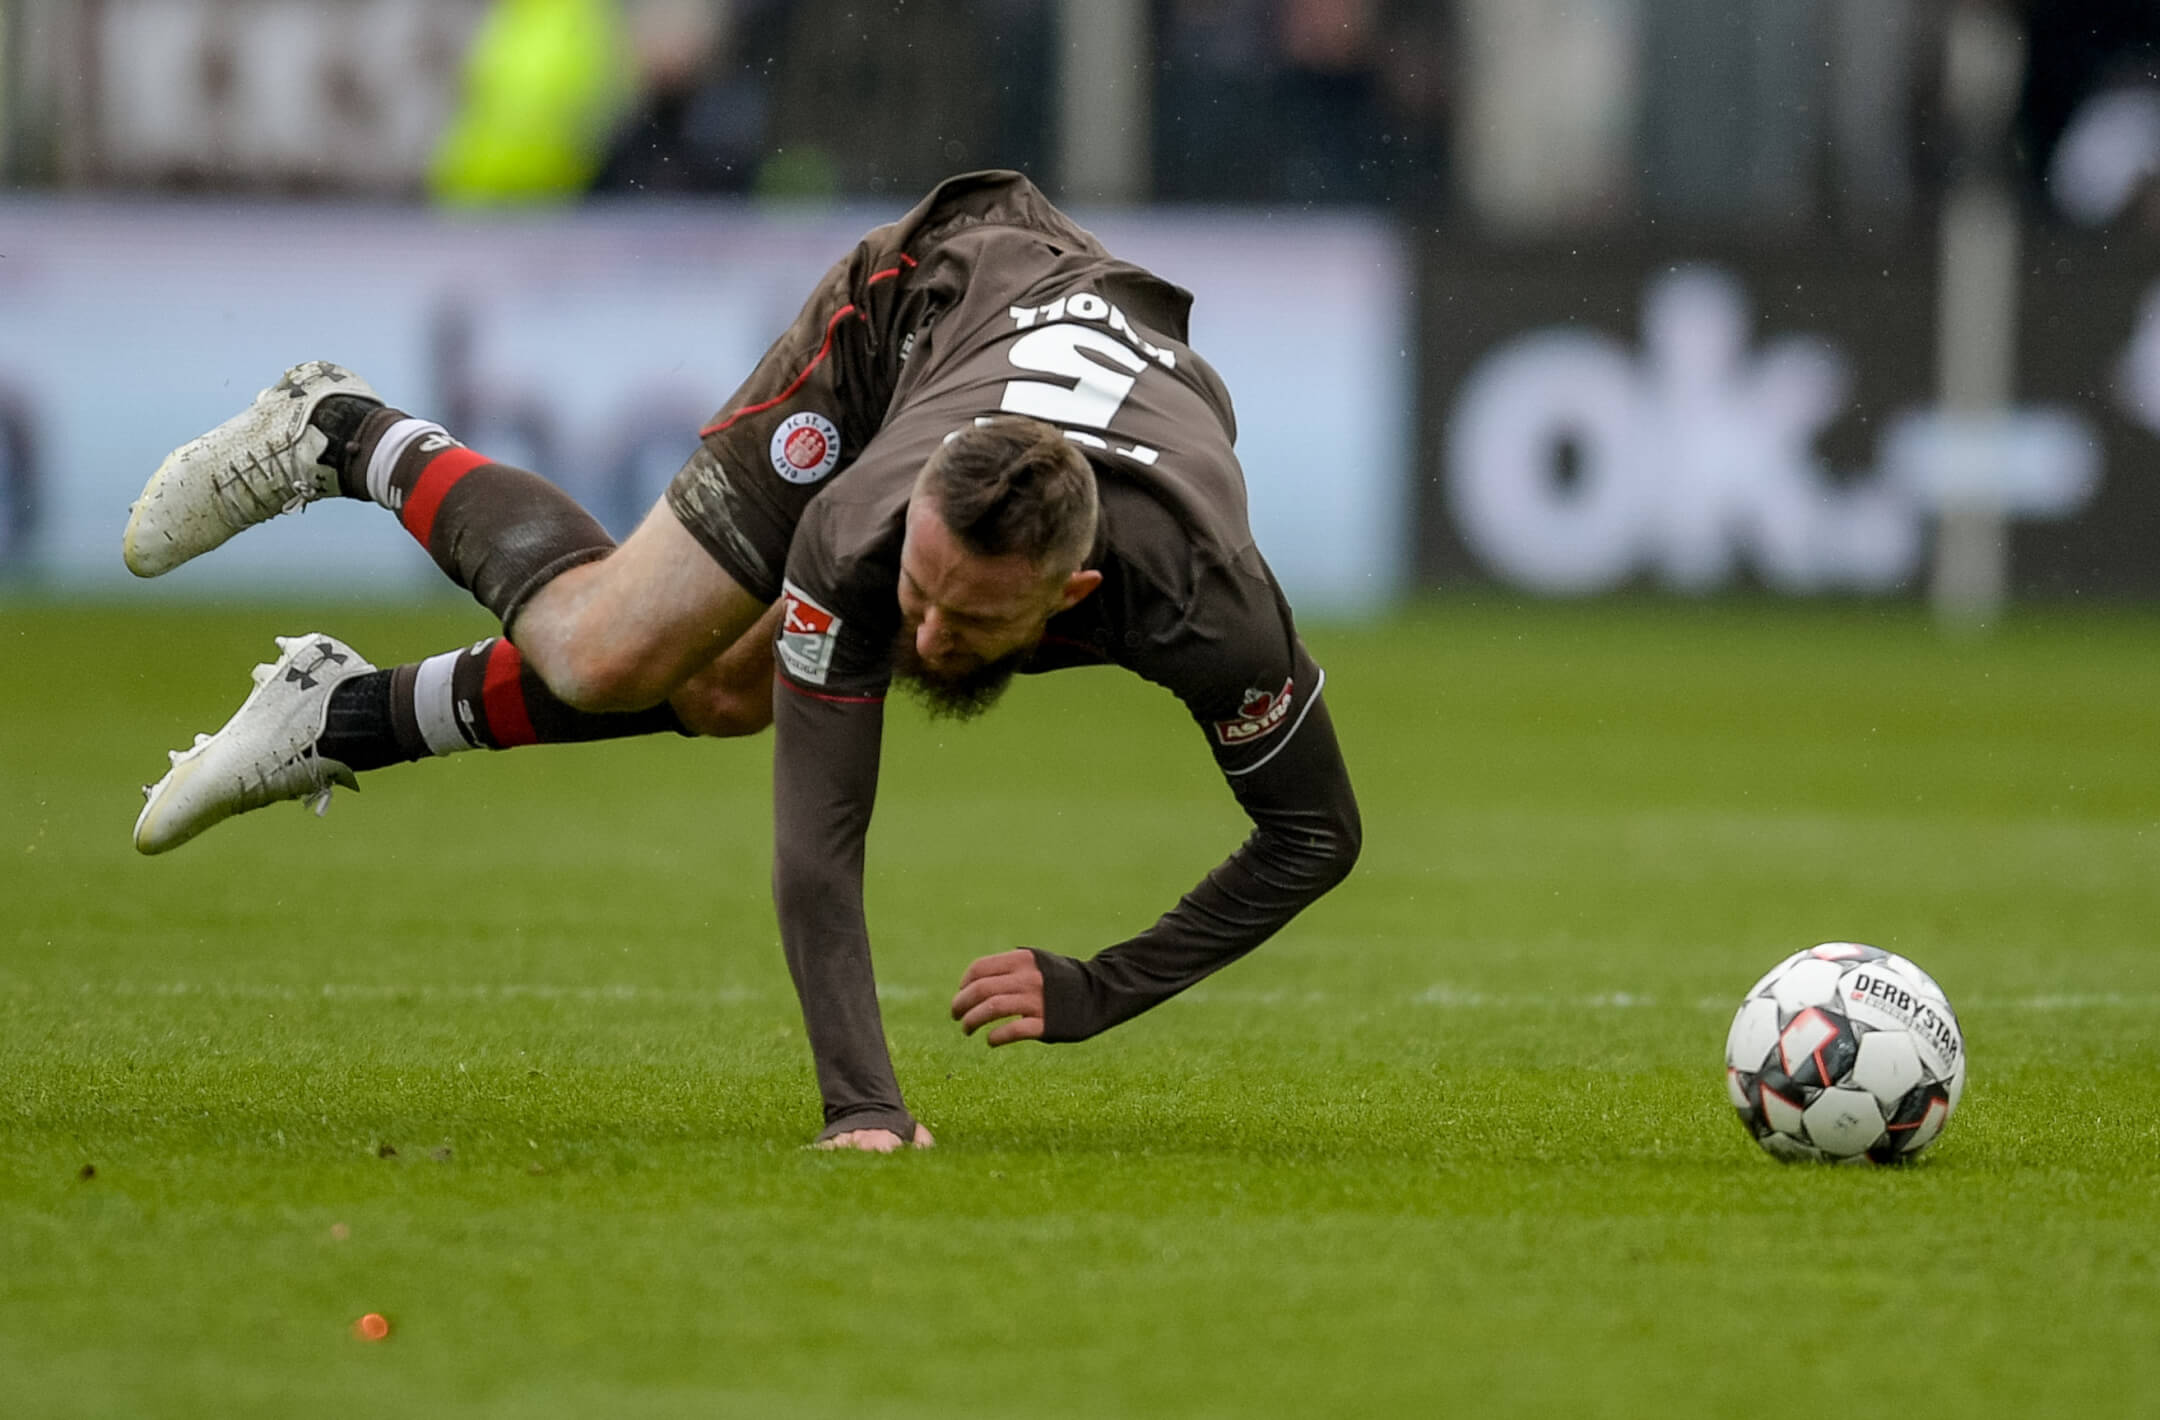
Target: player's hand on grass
(995, 988)
(875, 1141)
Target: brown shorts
(779, 439)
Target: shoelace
(267, 791)
(276, 484)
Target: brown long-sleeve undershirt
(825, 770)
(1305, 839)
(1306, 835)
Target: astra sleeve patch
(1262, 714)
(808, 634)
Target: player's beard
(949, 695)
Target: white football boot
(254, 466)
(265, 753)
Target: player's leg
(618, 629)
(322, 432)
(320, 714)
(624, 632)
(659, 605)
(733, 694)
(593, 632)
(605, 628)
(605, 637)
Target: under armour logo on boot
(304, 676)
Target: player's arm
(825, 772)
(1305, 839)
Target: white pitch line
(617, 994)
(1450, 997)
(1441, 995)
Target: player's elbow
(1340, 843)
(1315, 854)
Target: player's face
(963, 613)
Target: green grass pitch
(505, 1050)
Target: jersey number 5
(1092, 399)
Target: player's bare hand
(1007, 987)
(875, 1141)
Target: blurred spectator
(882, 97)
(1214, 137)
(701, 120)
(1883, 65)
(544, 84)
(1023, 82)
(1416, 53)
(1299, 100)
(1547, 114)
(1328, 101)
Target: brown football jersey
(984, 301)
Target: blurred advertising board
(1599, 418)
(591, 345)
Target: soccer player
(983, 447)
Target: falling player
(984, 447)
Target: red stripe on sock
(441, 474)
(502, 695)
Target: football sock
(357, 730)
(483, 697)
(340, 416)
(499, 532)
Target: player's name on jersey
(1087, 306)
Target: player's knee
(589, 658)
(604, 679)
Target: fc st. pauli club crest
(1260, 715)
(805, 447)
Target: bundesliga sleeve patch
(805, 447)
(1261, 715)
(808, 633)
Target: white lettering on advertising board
(1574, 464)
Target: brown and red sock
(502, 534)
(483, 697)
(499, 532)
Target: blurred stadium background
(1839, 316)
(1568, 296)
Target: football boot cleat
(254, 466)
(265, 753)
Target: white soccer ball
(1845, 1051)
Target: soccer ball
(1845, 1052)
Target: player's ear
(1077, 587)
